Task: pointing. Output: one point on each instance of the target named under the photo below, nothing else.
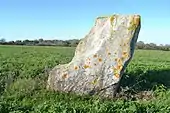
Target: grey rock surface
(100, 57)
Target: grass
(24, 71)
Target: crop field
(24, 71)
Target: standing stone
(100, 58)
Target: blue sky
(67, 19)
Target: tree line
(152, 46)
(41, 42)
(74, 43)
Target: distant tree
(66, 43)
(40, 40)
(11, 43)
(73, 43)
(147, 46)
(18, 42)
(35, 42)
(25, 42)
(167, 45)
(2, 40)
(140, 45)
(153, 46)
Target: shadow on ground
(144, 81)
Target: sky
(73, 19)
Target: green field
(24, 71)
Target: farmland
(24, 71)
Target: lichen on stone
(86, 66)
(94, 82)
(109, 53)
(112, 19)
(100, 58)
(65, 75)
(76, 67)
(95, 56)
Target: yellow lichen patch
(95, 56)
(100, 60)
(115, 72)
(109, 53)
(112, 19)
(124, 54)
(64, 76)
(132, 27)
(86, 66)
(136, 20)
(123, 58)
(119, 61)
(134, 23)
(94, 81)
(119, 67)
(76, 67)
(117, 75)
